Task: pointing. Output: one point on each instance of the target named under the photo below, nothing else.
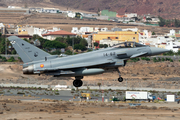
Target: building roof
(177, 35)
(19, 35)
(60, 32)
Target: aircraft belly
(77, 72)
(119, 63)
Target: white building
(155, 19)
(104, 29)
(172, 33)
(83, 30)
(130, 15)
(1, 25)
(71, 15)
(109, 42)
(171, 98)
(130, 29)
(61, 87)
(174, 46)
(47, 10)
(60, 33)
(75, 30)
(126, 19)
(38, 31)
(14, 7)
(96, 29)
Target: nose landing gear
(120, 79)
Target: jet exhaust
(28, 70)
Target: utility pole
(5, 41)
(73, 45)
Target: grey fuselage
(104, 58)
(37, 61)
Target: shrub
(11, 59)
(171, 60)
(154, 59)
(134, 59)
(4, 59)
(159, 59)
(68, 52)
(145, 58)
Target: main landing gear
(120, 79)
(78, 82)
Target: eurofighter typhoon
(37, 61)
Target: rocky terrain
(48, 21)
(164, 8)
(142, 74)
(12, 109)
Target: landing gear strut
(78, 82)
(120, 79)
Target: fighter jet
(37, 61)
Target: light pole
(5, 42)
(73, 45)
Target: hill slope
(164, 8)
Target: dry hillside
(164, 8)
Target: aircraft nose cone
(156, 51)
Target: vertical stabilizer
(27, 51)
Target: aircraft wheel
(77, 83)
(120, 79)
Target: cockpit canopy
(128, 45)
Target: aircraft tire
(120, 79)
(77, 83)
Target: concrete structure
(126, 19)
(174, 46)
(155, 19)
(102, 17)
(88, 15)
(60, 87)
(24, 30)
(14, 7)
(60, 33)
(116, 29)
(48, 10)
(131, 29)
(14, 10)
(130, 15)
(146, 37)
(109, 42)
(75, 30)
(170, 98)
(72, 15)
(38, 31)
(172, 33)
(82, 30)
(25, 85)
